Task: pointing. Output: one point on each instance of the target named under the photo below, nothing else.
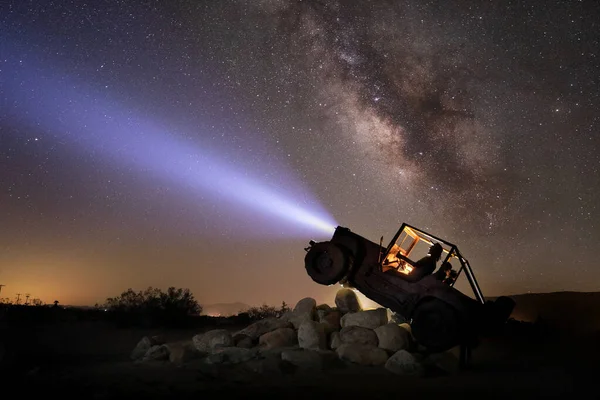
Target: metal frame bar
(471, 278)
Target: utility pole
(18, 298)
(1, 288)
(27, 298)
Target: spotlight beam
(83, 116)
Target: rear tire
(436, 325)
(326, 263)
(496, 314)
(503, 307)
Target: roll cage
(397, 255)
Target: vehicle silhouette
(441, 316)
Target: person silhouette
(451, 277)
(444, 271)
(426, 265)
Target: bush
(153, 307)
(265, 311)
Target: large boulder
(304, 311)
(324, 307)
(242, 340)
(367, 319)
(347, 301)
(404, 363)
(144, 345)
(263, 326)
(392, 337)
(281, 337)
(141, 348)
(211, 340)
(362, 354)
(182, 352)
(312, 335)
(157, 353)
(300, 317)
(306, 305)
(309, 359)
(358, 335)
(331, 318)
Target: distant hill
(224, 309)
(575, 312)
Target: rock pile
(311, 336)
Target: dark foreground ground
(90, 360)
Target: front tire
(326, 263)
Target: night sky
(202, 144)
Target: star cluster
(478, 122)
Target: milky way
(477, 123)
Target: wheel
(436, 325)
(496, 314)
(503, 307)
(326, 263)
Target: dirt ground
(91, 360)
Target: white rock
(358, 335)
(281, 337)
(392, 337)
(324, 307)
(263, 326)
(404, 363)
(211, 340)
(311, 335)
(297, 318)
(347, 301)
(141, 348)
(367, 319)
(144, 345)
(332, 319)
(182, 352)
(157, 353)
(307, 304)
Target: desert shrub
(153, 307)
(266, 311)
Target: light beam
(84, 116)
